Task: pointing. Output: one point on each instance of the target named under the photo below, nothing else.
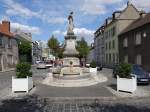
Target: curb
(7, 70)
(89, 99)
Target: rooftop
(144, 19)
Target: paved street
(36, 104)
(98, 90)
(50, 99)
(5, 83)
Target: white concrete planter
(22, 84)
(125, 84)
(93, 70)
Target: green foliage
(23, 70)
(71, 62)
(124, 70)
(53, 44)
(60, 52)
(25, 50)
(82, 48)
(93, 64)
(25, 47)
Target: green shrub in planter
(124, 70)
(23, 70)
(93, 64)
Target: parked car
(37, 61)
(41, 65)
(48, 64)
(142, 75)
(87, 64)
(99, 68)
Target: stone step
(79, 80)
(70, 84)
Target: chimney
(0, 27)
(128, 2)
(5, 26)
(106, 22)
(142, 14)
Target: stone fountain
(71, 74)
(70, 62)
(70, 53)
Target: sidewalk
(12, 69)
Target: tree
(82, 48)
(25, 49)
(53, 44)
(60, 52)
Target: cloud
(15, 8)
(83, 32)
(79, 32)
(56, 32)
(95, 7)
(57, 20)
(25, 28)
(142, 4)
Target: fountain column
(70, 53)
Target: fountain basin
(71, 77)
(71, 71)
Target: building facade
(8, 48)
(36, 52)
(91, 55)
(113, 27)
(134, 42)
(24, 37)
(99, 51)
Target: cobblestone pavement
(36, 104)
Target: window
(109, 33)
(9, 43)
(138, 39)
(138, 59)
(125, 42)
(10, 59)
(106, 46)
(1, 41)
(114, 57)
(105, 34)
(109, 45)
(109, 58)
(113, 31)
(113, 44)
(126, 59)
(106, 58)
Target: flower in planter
(23, 70)
(124, 70)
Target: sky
(44, 18)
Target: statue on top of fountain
(70, 24)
